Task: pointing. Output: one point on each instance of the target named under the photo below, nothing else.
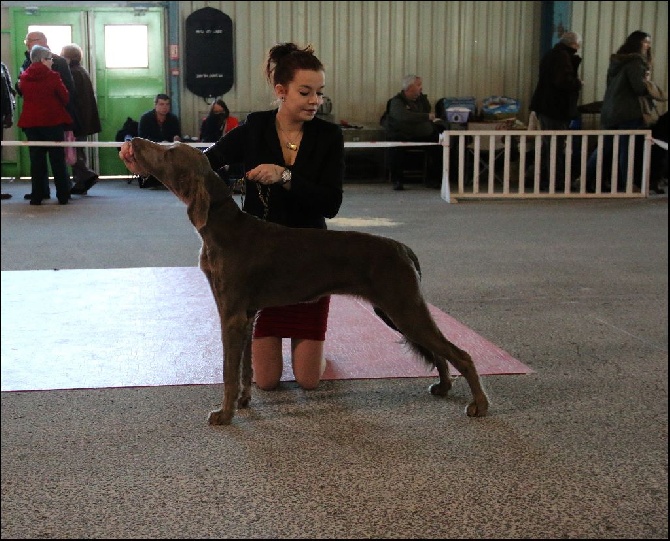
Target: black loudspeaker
(209, 53)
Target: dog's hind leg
(233, 333)
(423, 336)
(444, 385)
(441, 348)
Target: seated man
(408, 117)
(158, 125)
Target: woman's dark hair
(222, 104)
(285, 58)
(633, 44)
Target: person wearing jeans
(629, 68)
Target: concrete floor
(577, 290)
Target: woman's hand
(265, 173)
(128, 158)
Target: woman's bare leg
(309, 362)
(267, 361)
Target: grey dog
(291, 265)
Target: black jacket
(317, 174)
(88, 117)
(150, 129)
(558, 87)
(406, 120)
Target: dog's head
(185, 171)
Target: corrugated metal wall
(605, 26)
(459, 49)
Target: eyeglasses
(49, 58)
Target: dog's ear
(198, 208)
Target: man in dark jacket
(8, 106)
(158, 125)
(87, 121)
(408, 117)
(556, 96)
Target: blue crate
(467, 102)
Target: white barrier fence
(508, 163)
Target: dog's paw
(243, 400)
(441, 388)
(476, 410)
(220, 417)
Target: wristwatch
(285, 176)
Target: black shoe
(91, 182)
(35, 201)
(63, 200)
(78, 189)
(6, 196)
(30, 196)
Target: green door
(130, 71)
(124, 52)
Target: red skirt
(307, 320)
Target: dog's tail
(417, 349)
(414, 259)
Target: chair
(413, 160)
(415, 163)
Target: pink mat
(71, 329)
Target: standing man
(8, 106)
(555, 98)
(158, 125)
(87, 121)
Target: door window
(126, 46)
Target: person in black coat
(8, 105)
(87, 121)
(159, 124)
(556, 96)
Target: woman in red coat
(44, 118)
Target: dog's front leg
(233, 333)
(247, 370)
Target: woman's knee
(309, 363)
(267, 362)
